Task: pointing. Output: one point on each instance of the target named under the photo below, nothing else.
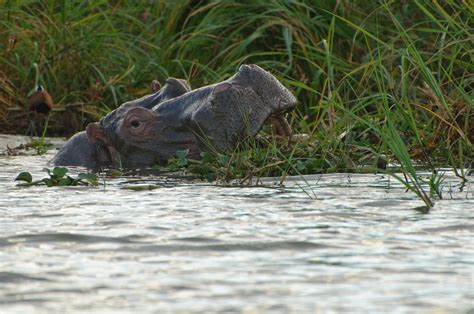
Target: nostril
(248, 67)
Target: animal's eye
(135, 124)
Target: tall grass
(368, 74)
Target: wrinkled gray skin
(149, 130)
(80, 151)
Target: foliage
(255, 158)
(180, 161)
(58, 177)
(374, 78)
(435, 182)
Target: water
(358, 247)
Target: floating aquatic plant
(58, 177)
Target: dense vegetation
(374, 78)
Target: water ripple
(63, 237)
(187, 246)
(254, 246)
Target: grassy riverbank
(374, 78)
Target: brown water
(356, 246)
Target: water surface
(357, 245)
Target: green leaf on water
(24, 176)
(182, 154)
(60, 171)
(67, 181)
(182, 162)
(48, 182)
(206, 157)
(223, 159)
(58, 177)
(89, 177)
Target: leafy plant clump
(58, 177)
(254, 159)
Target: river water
(328, 243)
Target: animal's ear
(185, 84)
(95, 134)
(180, 86)
(155, 86)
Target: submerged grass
(375, 79)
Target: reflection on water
(356, 246)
